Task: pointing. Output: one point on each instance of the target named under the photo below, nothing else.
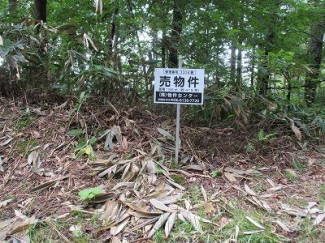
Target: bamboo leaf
(165, 133)
(170, 223)
(117, 229)
(230, 177)
(319, 219)
(283, 226)
(163, 218)
(295, 129)
(254, 222)
(249, 191)
(204, 193)
(160, 205)
(193, 219)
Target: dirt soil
(47, 157)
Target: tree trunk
(176, 33)
(253, 60)
(112, 36)
(163, 50)
(315, 59)
(13, 5)
(289, 91)
(239, 68)
(40, 10)
(233, 63)
(264, 72)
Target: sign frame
(179, 86)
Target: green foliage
(24, 122)
(298, 165)
(85, 147)
(308, 232)
(79, 54)
(290, 174)
(159, 170)
(215, 174)
(262, 137)
(75, 132)
(89, 193)
(159, 236)
(250, 148)
(239, 219)
(195, 194)
(180, 179)
(26, 146)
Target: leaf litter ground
(98, 175)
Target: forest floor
(76, 174)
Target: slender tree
(233, 63)
(252, 67)
(268, 45)
(314, 58)
(239, 68)
(13, 4)
(40, 10)
(176, 32)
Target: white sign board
(179, 86)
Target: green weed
(297, 202)
(24, 121)
(159, 236)
(47, 232)
(25, 146)
(250, 148)
(195, 194)
(309, 233)
(263, 137)
(321, 195)
(291, 175)
(298, 165)
(215, 174)
(173, 165)
(181, 232)
(180, 179)
(239, 219)
(89, 193)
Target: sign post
(178, 120)
(178, 86)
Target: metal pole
(178, 118)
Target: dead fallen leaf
(204, 193)
(274, 189)
(1, 163)
(6, 142)
(208, 208)
(162, 219)
(193, 219)
(230, 177)
(291, 173)
(254, 222)
(43, 186)
(295, 129)
(270, 182)
(165, 133)
(311, 161)
(252, 232)
(160, 205)
(223, 222)
(283, 226)
(5, 202)
(249, 191)
(319, 219)
(117, 229)
(170, 223)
